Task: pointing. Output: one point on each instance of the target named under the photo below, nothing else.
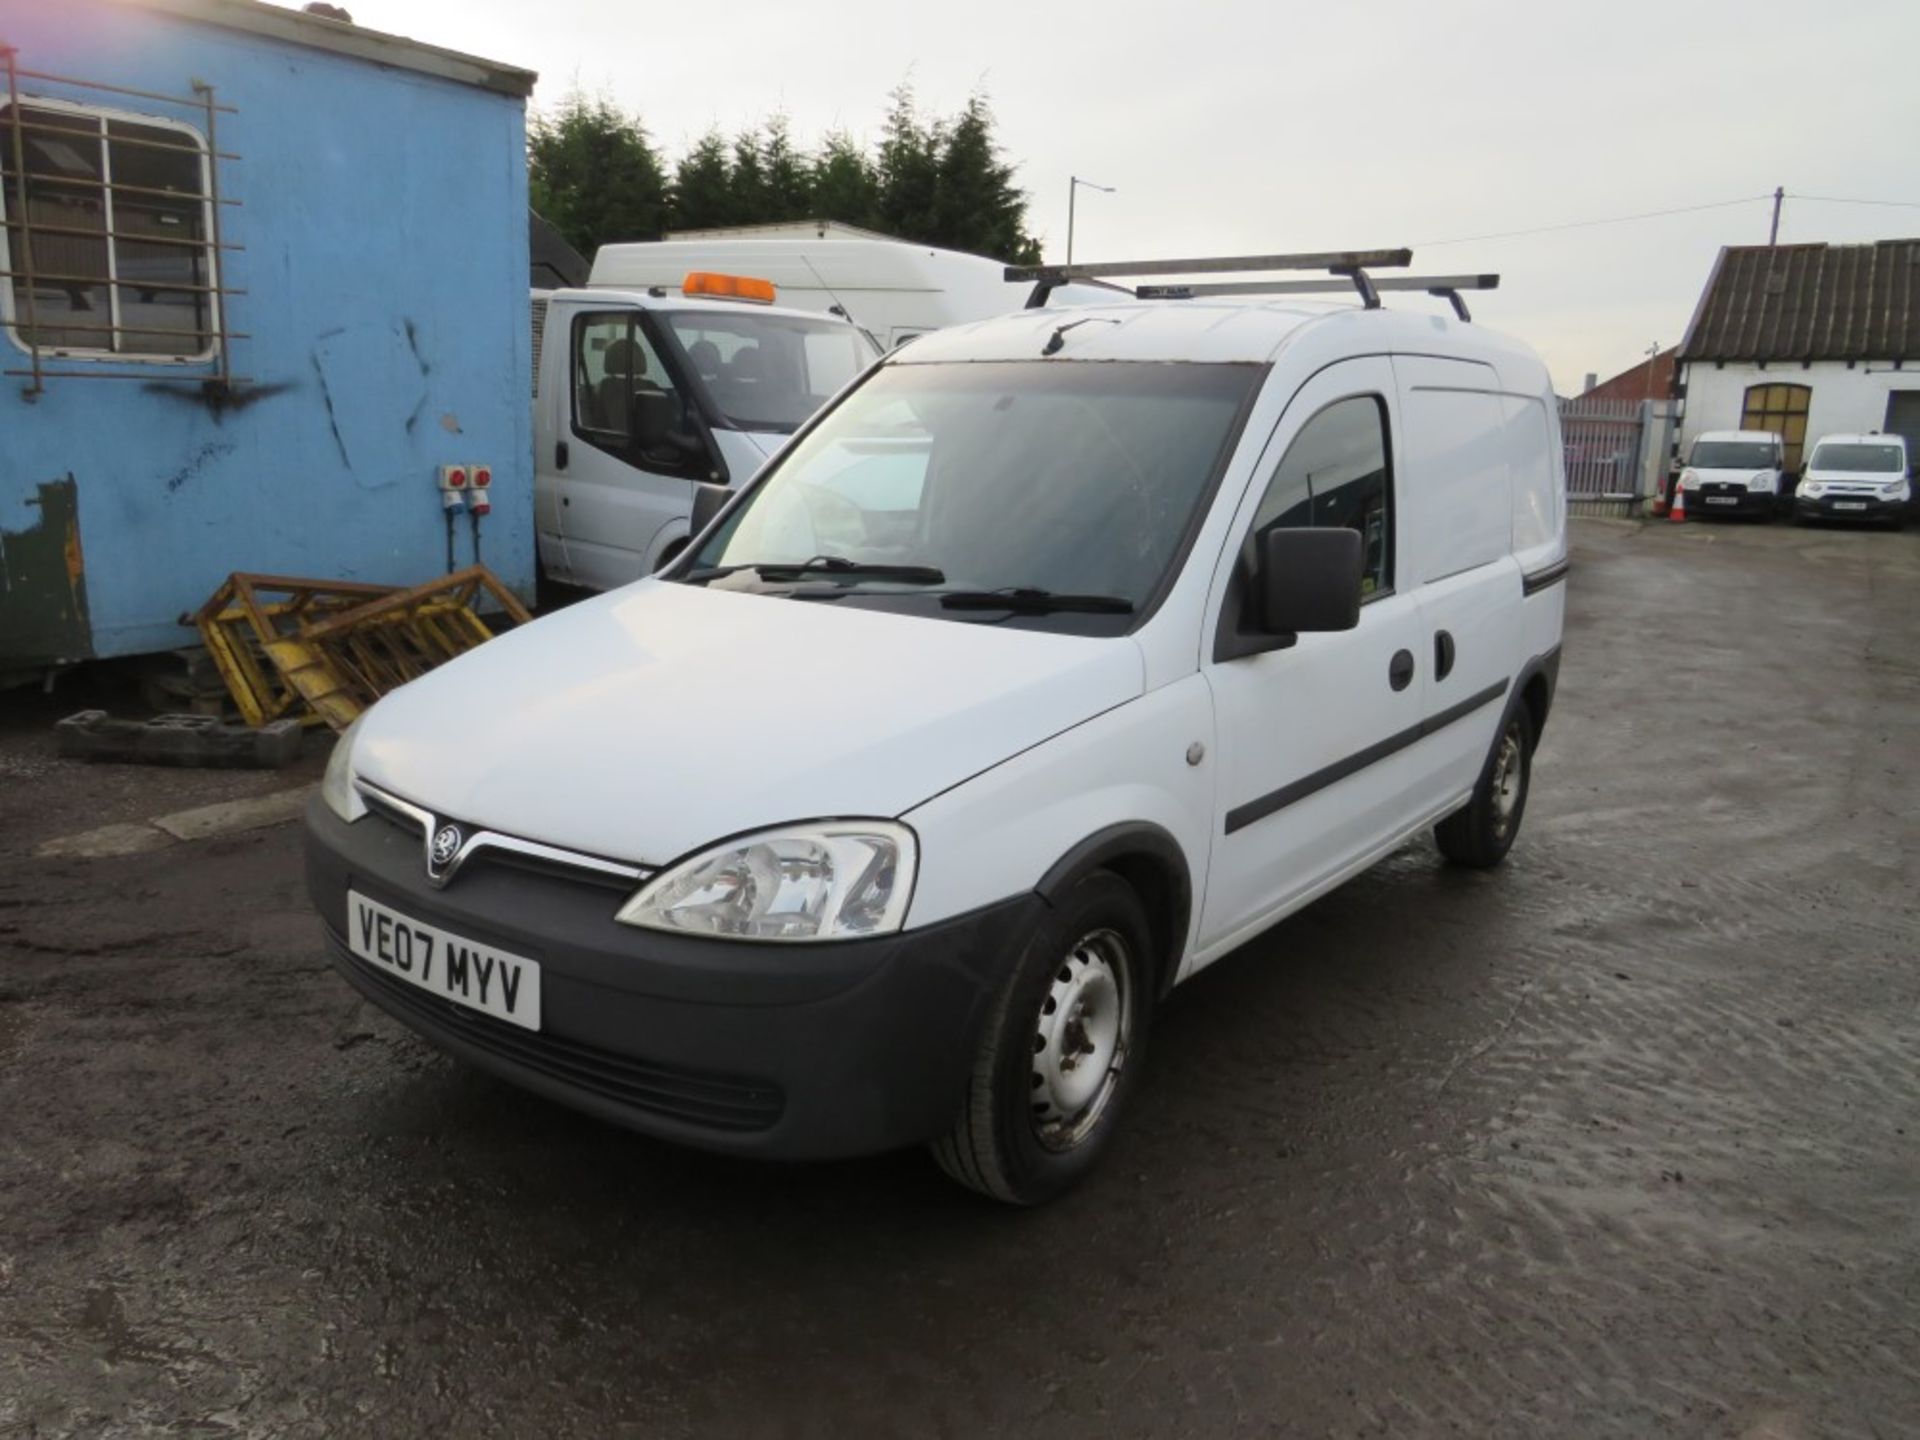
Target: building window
(112, 217)
(1781, 409)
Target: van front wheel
(1061, 1050)
(1480, 833)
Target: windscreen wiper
(1026, 600)
(830, 565)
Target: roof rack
(1352, 264)
(1446, 287)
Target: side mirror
(708, 501)
(1309, 580)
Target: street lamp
(1073, 190)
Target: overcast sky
(1234, 126)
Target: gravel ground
(1618, 1140)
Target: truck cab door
(550, 446)
(634, 450)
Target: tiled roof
(1810, 302)
(1637, 383)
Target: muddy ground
(1621, 1140)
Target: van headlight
(1811, 489)
(1761, 481)
(1689, 480)
(1895, 490)
(834, 880)
(337, 788)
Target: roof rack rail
(1446, 287)
(1353, 264)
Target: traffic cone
(1677, 511)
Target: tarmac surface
(1621, 1139)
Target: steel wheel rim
(1080, 1040)
(1509, 779)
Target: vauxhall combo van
(1056, 658)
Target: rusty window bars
(103, 131)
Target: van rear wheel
(1480, 833)
(1061, 1050)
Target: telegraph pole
(1773, 234)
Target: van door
(1315, 770)
(634, 451)
(1458, 444)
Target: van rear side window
(1455, 454)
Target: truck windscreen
(769, 372)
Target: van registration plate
(480, 977)
(1723, 499)
(1849, 504)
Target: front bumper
(775, 1050)
(1848, 507)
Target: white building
(1806, 340)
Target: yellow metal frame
(333, 647)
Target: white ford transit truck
(643, 395)
(1049, 664)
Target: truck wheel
(1061, 1050)
(1480, 833)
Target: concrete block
(190, 740)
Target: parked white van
(1055, 660)
(1855, 477)
(641, 396)
(1735, 472)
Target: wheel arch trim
(1136, 840)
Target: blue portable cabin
(262, 275)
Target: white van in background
(893, 289)
(640, 397)
(1047, 665)
(1855, 477)
(1735, 472)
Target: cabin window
(106, 245)
(1783, 410)
(1335, 474)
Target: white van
(895, 290)
(1735, 472)
(1057, 659)
(642, 396)
(1855, 477)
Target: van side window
(1336, 473)
(624, 402)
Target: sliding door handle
(1442, 655)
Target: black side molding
(1541, 579)
(1242, 816)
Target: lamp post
(1073, 190)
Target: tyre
(1480, 833)
(1061, 1050)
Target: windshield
(769, 372)
(1732, 455)
(1080, 480)
(1860, 457)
